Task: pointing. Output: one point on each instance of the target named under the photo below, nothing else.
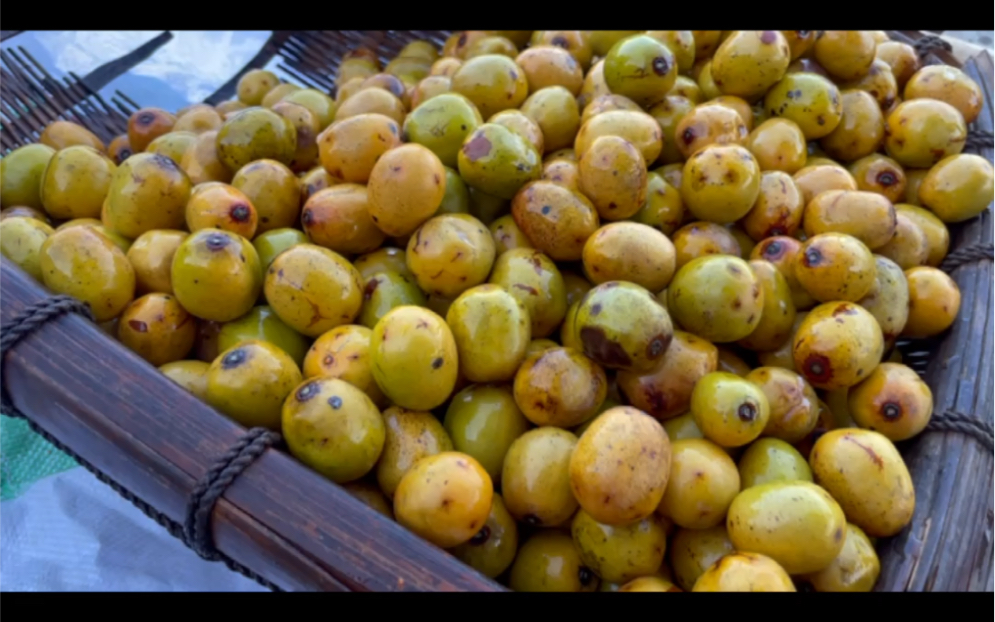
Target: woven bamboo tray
(289, 528)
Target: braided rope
(930, 43)
(951, 421)
(978, 139)
(211, 485)
(210, 488)
(966, 255)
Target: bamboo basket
(289, 528)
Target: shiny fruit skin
(603, 476)
(448, 512)
(837, 345)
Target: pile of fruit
(589, 309)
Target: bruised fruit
(818, 178)
(492, 549)
(947, 84)
(493, 82)
(845, 54)
(640, 68)
(921, 132)
(441, 124)
(700, 238)
(146, 125)
(385, 291)
(664, 208)
(201, 162)
(880, 174)
(778, 145)
(338, 219)
(855, 569)
(861, 129)
(255, 134)
(559, 387)
(867, 216)
(621, 325)
(612, 174)
(778, 314)
(909, 247)
(214, 205)
(888, 298)
(637, 127)
(254, 85)
(555, 219)
(693, 551)
(666, 391)
(837, 345)
(498, 161)
(407, 185)
(709, 125)
(936, 232)
(810, 100)
(555, 110)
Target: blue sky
(185, 70)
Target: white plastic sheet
(70, 532)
